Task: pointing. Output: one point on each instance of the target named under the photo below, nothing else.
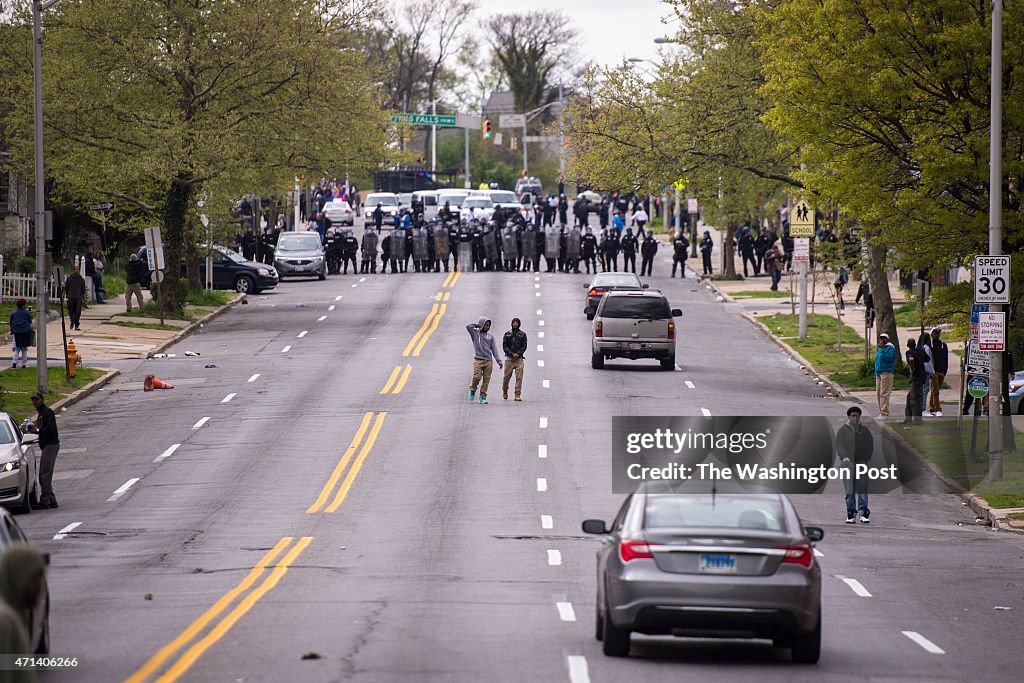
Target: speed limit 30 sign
(992, 280)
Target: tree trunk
(728, 254)
(173, 234)
(885, 317)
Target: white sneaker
(851, 520)
(937, 413)
(863, 520)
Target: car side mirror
(586, 286)
(814, 533)
(594, 526)
(645, 286)
(29, 439)
(676, 312)
(589, 310)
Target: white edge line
(578, 672)
(546, 522)
(166, 454)
(928, 645)
(124, 488)
(66, 530)
(565, 611)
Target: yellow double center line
(353, 472)
(430, 323)
(402, 376)
(189, 657)
(452, 278)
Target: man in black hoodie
(514, 345)
(854, 446)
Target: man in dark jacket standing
(611, 251)
(647, 251)
(514, 345)
(680, 245)
(854, 446)
(916, 358)
(133, 274)
(706, 246)
(49, 444)
(75, 291)
(940, 361)
(629, 247)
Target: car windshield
(233, 255)
(451, 199)
(429, 200)
(307, 242)
(479, 203)
(387, 200)
(504, 197)
(719, 511)
(638, 307)
(615, 280)
(6, 433)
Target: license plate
(717, 564)
(636, 346)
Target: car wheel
(44, 640)
(25, 506)
(244, 284)
(615, 641)
(668, 363)
(590, 316)
(596, 361)
(322, 275)
(806, 648)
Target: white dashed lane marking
(578, 672)
(71, 527)
(286, 349)
(540, 348)
(254, 377)
(302, 334)
(330, 308)
(338, 298)
(855, 585)
(543, 423)
(707, 413)
(124, 489)
(540, 363)
(166, 454)
(227, 399)
(542, 484)
(321, 318)
(554, 557)
(539, 312)
(690, 385)
(200, 422)
(540, 335)
(928, 645)
(542, 450)
(565, 611)
(546, 522)
(546, 384)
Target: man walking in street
(940, 362)
(885, 365)
(74, 291)
(484, 349)
(514, 345)
(133, 274)
(49, 443)
(854, 445)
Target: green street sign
(424, 119)
(977, 387)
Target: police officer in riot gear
(588, 248)
(629, 247)
(680, 246)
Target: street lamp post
(42, 265)
(997, 374)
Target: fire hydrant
(73, 358)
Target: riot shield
(509, 247)
(465, 256)
(441, 248)
(490, 240)
(370, 243)
(552, 235)
(398, 244)
(529, 243)
(572, 244)
(420, 248)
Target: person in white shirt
(640, 218)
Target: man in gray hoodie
(484, 349)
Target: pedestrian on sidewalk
(21, 329)
(133, 274)
(75, 291)
(514, 345)
(773, 266)
(706, 246)
(484, 349)
(746, 248)
(854, 446)
(940, 365)
(885, 366)
(916, 359)
(49, 443)
(97, 275)
(924, 342)
(842, 277)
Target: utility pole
(561, 136)
(468, 183)
(298, 198)
(678, 209)
(433, 139)
(42, 263)
(997, 408)
(526, 164)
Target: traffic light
(488, 133)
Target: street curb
(836, 390)
(89, 389)
(711, 283)
(184, 332)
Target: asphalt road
(309, 510)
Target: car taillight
(671, 330)
(593, 291)
(636, 550)
(799, 554)
(598, 328)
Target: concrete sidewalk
(821, 292)
(101, 339)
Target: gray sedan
(708, 565)
(300, 253)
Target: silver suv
(634, 324)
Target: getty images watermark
(792, 455)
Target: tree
(530, 49)
(159, 102)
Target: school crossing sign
(801, 220)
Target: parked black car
(231, 270)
